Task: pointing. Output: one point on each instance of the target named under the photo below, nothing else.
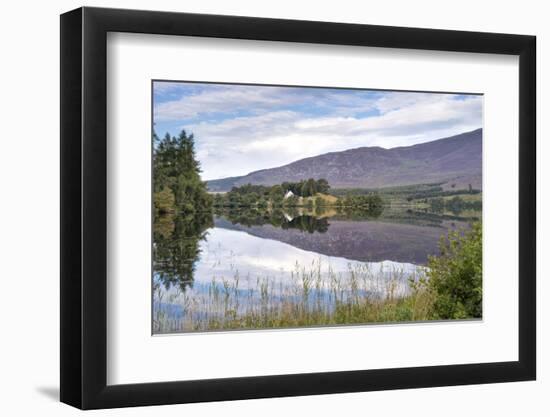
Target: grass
(327, 198)
(416, 195)
(314, 297)
(466, 197)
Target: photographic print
(291, 207)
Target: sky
(243, 128)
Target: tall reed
(313, 296)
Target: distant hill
(455, 160)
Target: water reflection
(237, 267)
(240, 261)
(176, 247)
(406, 239)
(283, 219)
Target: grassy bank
(314, 297)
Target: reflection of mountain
(454, 160)
(366, 241)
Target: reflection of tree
(311, 221)
(287, 219)
(307, 223)
(176, 247)
(182, 209)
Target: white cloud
(277, 131)
(227, 99)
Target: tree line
(454, 205)
(177, 185)
(361, 201)
(262, 196)
(183, 209)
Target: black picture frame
(84, 207)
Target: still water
(234, 263)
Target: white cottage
(289, 194)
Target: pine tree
(175, 166)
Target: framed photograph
(256, 208)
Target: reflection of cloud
(246, 268)
(228, 252)
(240, 129)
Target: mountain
(455, 160)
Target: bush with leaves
(455, 277)
(164, 201)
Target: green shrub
(455, 276)
(164, 201)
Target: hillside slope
(453, 160)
